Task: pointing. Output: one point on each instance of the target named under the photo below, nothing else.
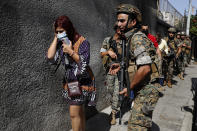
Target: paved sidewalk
(173, 111)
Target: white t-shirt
(163, 46)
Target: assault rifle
(124, 81)
(113, 46)
(172, 53)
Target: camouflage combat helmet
(178, 33)
(172, 30)
(129, 9)
(183, 33)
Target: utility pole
(188, 17)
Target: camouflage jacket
(183, 49)
(172, 44)
(106, 45)
(179, 41)
(140, 51)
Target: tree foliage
(193, 25)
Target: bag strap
(76, 50)
(78, 43)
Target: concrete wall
(30, 93)
(162, 27)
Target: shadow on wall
(9, 95)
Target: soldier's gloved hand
(114, 68)
(112, 54)
(123, 92)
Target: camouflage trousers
(181, 65)
(168, 69)
(113, 90)
(141, 113)
(187, 58)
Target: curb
(188, 117)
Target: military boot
(169, 84)
(113, 120)
(164, 83)
(181, 76)
(186, 65)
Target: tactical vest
(183, 49)
(172, 44)
(150, 49)
(107, 60)
(187, 51)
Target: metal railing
(169, 14)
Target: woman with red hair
(73, 50)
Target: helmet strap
(127, 28)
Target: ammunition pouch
(155, 71)
(106, 60)
(183, 49)
(187, 51)
(132, 70)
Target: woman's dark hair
(65, 23)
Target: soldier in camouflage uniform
(110, 53)
(168, 59)
(188, 49)
(181, 56)
(178, 36)
(185, 44)
(176, 61)
(156, 64)
(146, 95)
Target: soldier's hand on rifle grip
(123, 92)
(114, 68)
(112, 54)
